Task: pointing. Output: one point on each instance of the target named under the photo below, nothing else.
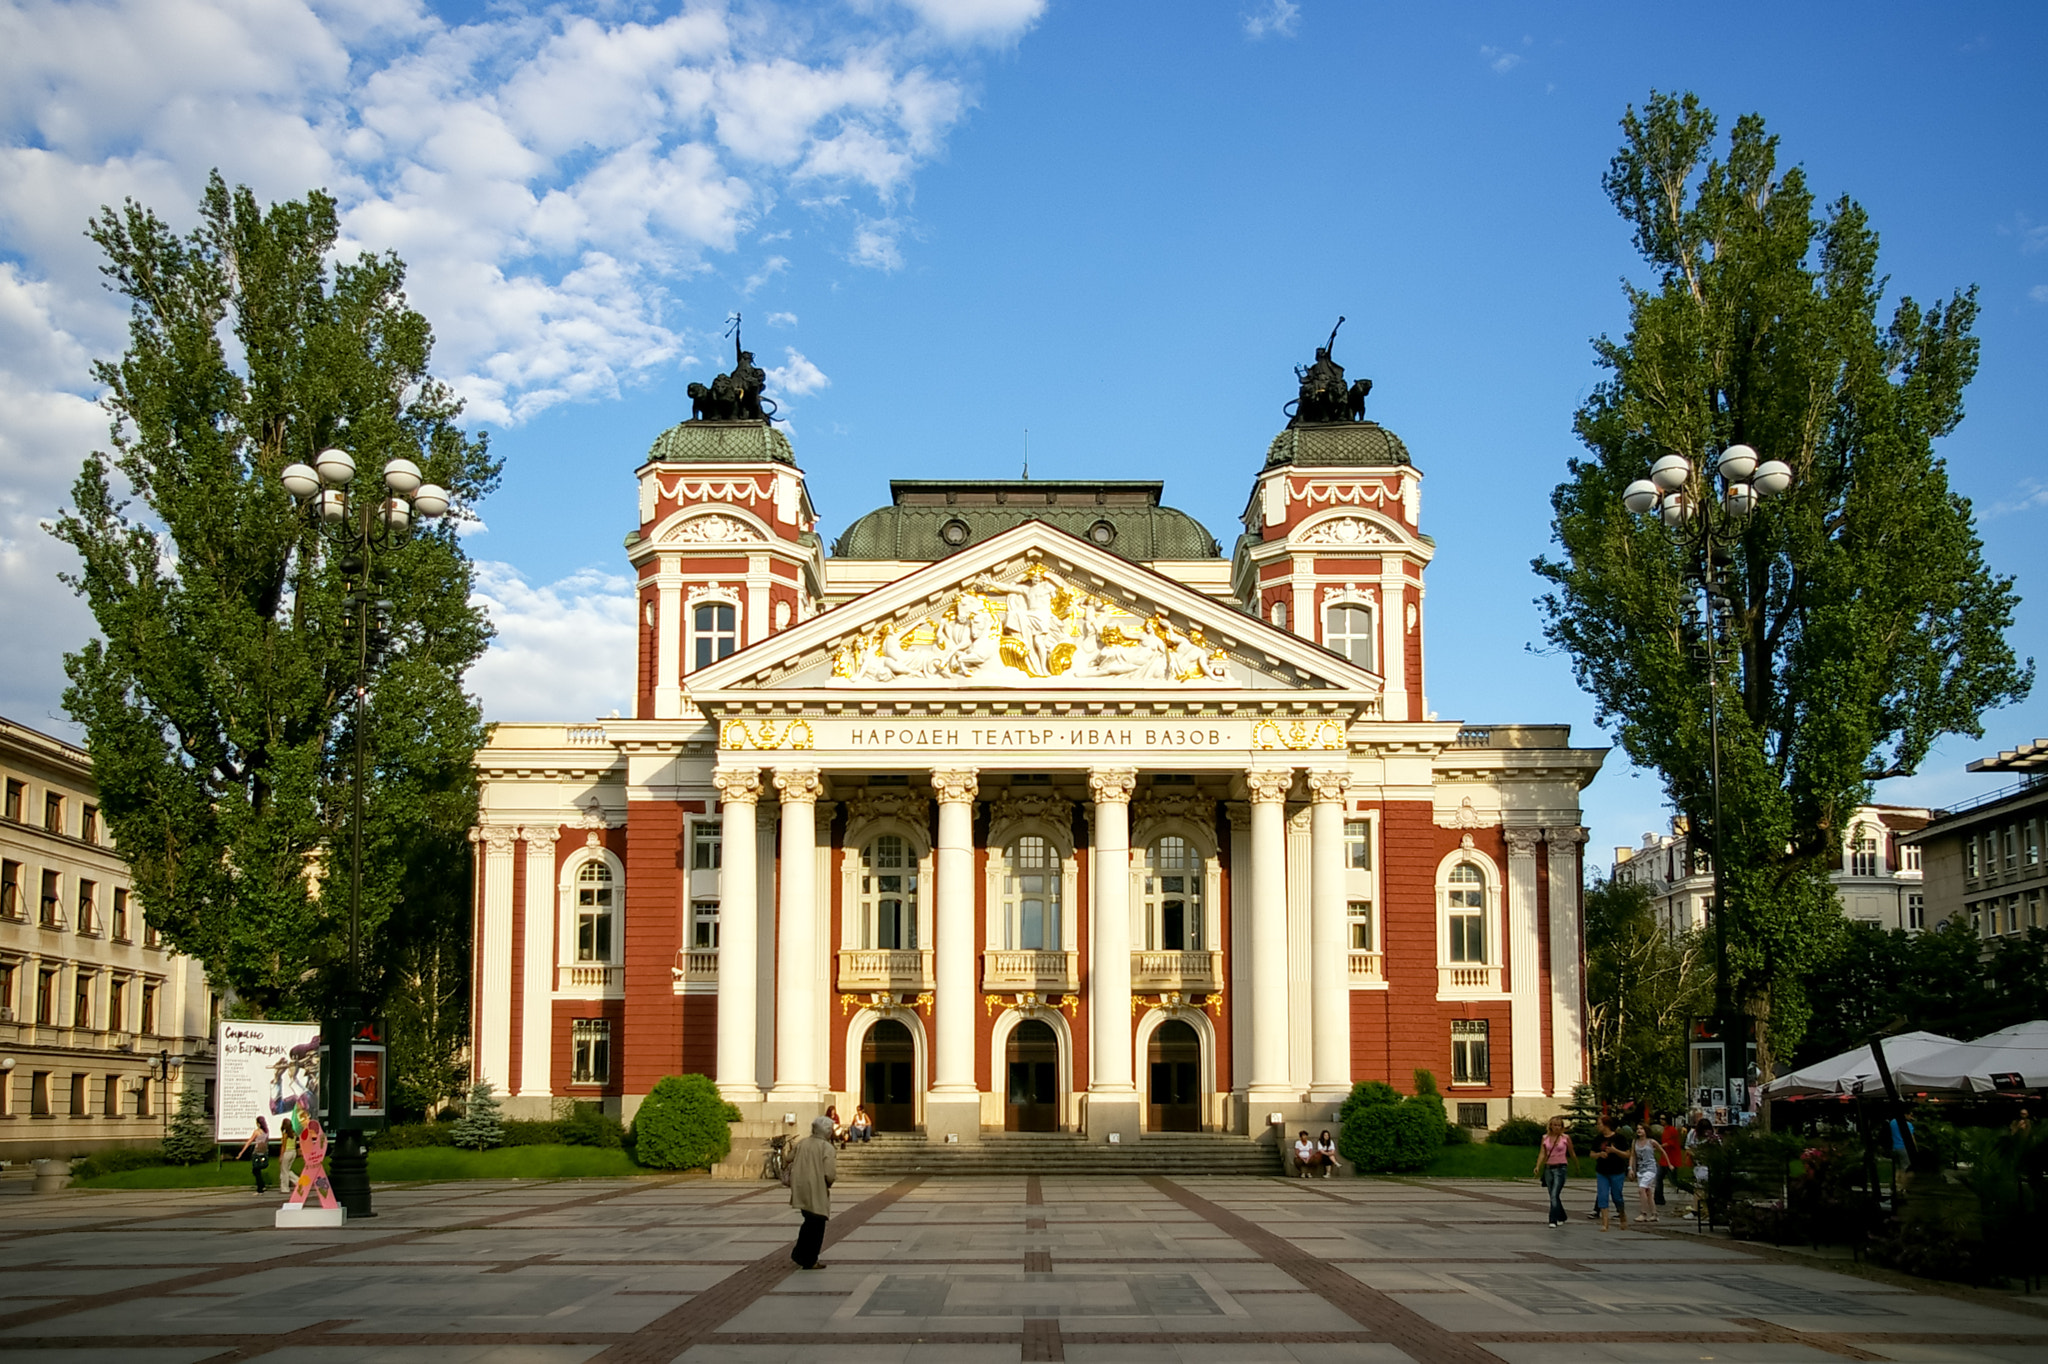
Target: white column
(954, 1105)
(494, 958)
(798, 1076)
(536, 1014)
(668, 641)
(1525, 995)
(739, 793)
(1567, 1000)
(1112, 1097)
(1268, 794)
(1329, 952)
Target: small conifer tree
(480, 1127)
(1582, 1117)
(189, 1141)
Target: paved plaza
(927, 1269)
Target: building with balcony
(1983, 858)
(1030, 807)
(100, 1024)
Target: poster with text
(266, 1068)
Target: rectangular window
(1358, 844)
(706, 843)
(89, 824)
(117, 1004)
(1909, 857)
(152, 936)
(2033, 909)
(1472, 1115)
(1347, 630)
(149, 1007)
(704, 925)
(1466, 906)
(81, 1000)
(145, 1092)
(10, 890)
(121, 913)
(39, 1094)
(110, 1100)
(2033, 843)
(17, 796)
(50, 914)
(46, 997)
(7, 970)
(88, 892)
(80, 1107)
(594, 913)
(715, 629)
(1863, 856)
(1916, 911)
(591, 1042)
(53, 812)
(1469, 1062)
(1970, 857)
(2012, 848)
(1359, 916)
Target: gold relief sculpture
(848, 1003)
(763, 734)
(1072, 1004)
(923, 1001)
(1299, 735)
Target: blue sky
(950, 221)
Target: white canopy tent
(2011, 1059)
(1839, 1074)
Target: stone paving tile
(125, 1354)
(445, 1354)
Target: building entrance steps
(895, 1154)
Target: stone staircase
(1059, 1153)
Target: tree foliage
(1642, 986)
(1864, 622)
(685, 1124)
(1942, 981)
(1381, 1131)
(190, 1138)
(216, 699)
(482, 1124)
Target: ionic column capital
(1239, 813)
(737, 785)
(799, 785)
(1112, 785)
(956, 787)
(539, 838)
(1521, 840)
(1328, 788)
(1269, 787)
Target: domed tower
(1333, 548)
(726, 551)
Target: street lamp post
(163, 1068)
(359, 529)
(1684, 500)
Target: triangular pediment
(1033, 610)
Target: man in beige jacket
(812, 1168)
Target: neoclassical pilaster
(1329, 952)
(799, 1050)
(953, 948)
(1267, 792)
(1110, 1085)
(1525, 994)
(494, 956)
(1567, 960)
(739, 794)
(536, 1010)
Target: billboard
(265, 1068)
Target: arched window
(1173, 896)
(1465, 909)
(1347, 630)
(888, 894)
(1863, 852)
(594, 913)
(1031, 895)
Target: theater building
(1030, 808)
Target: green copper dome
(1346, 444)
(700, 442)
(928, 520)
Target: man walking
(812, 1168)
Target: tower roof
(721, 442)
(930, 519)
(1338, 444)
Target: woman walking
(811, 1171)
(1647, 1156)
(1553, 1159)
(258, 1147)
(1610, 1173)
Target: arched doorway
(888, 1065)
(1173, 1092)
(1032, 1095)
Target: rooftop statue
(1323, 397)
(734, 397)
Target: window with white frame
(1970, 857)
(2012, 847)
(704, 925)
(1465, 915)
(1173, 896)
(590, 1041)
(888, 894)
(1916, 911)
(1470, 1064)
(1863, 852)
(1358, 844)
(1347, 630)
(1909, 857)
(705, 845)
(714, 631)
(2033, 845)
(1358, 914)
(1031, 895)
(594, 906)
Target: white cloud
(782, 319)
(874, 245)
(796, 378)
(1280, 18)
(2031, 494)
(978, 20)
(1499, 60)
(587, 616)
(2039, 293)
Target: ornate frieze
(711, 530)
(1008, 811)
(1346, 530)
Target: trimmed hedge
(683, 1125)
(115, 1159)
(1382, 1131)
(1517, 1132)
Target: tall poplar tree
(1864, 622)
(217, 698)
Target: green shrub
(1455, 1135)
(115, 1159)
(683, 1125)
(413, 1135)
(587, 1124)
(1517, 1132)
(1367, 1094)
(530, 1132)
(1384, 1132)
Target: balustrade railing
(885, 968)
(1368, 968)
(1155, 970)
(589, 976)
(1029, 969)
(1468, 980)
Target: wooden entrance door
(1173, 1093)
(1032, 1097)
(888, 1065)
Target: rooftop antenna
(1027, 454)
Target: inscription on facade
(1001, 736)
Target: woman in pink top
(1553, 1157)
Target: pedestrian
(1673, 1139)
(1647, 1156)
(1702, 1134)
(1610, 1174)
(1326, 1152)
(258, 1147)
(812, 1168)
(1553, 1159)
(1306, 1157)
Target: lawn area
(1482, 1160)
(418, 1163)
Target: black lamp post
(360, 529)
(1705, 525)
(162, 1068)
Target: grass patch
(419, 1163)
(1482, 1160)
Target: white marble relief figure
(968, 636)
(892, 660)
(1028, 616)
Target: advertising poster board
(260, 1074)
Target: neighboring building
(93, 1008)
(1877, 873)
(1029, 809)
(1983, 858)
